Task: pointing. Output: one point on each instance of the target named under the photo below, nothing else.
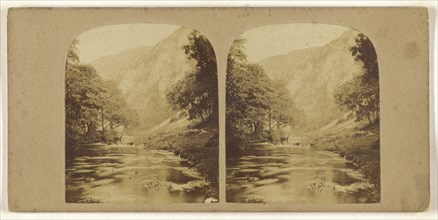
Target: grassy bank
(199, 145)
(362, 148)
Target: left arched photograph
(141, 116)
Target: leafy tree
(72, 56)
(73, 126)
(283, 111)
(82, 102)
(253, 101)
(281, 105)
(197, 92)
(361, 94)
(114, 112)
(364, 51)
(94, 107)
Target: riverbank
(296, 174)
(198, 145)
(131, 174)
(361, 148)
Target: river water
(131, 174)
(293, 174)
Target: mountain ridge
(313, 74)
(145, 74)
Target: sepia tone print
(36, 157)
(141, 116)
(302, 116)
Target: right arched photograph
(302, 116)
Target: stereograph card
(218, 109)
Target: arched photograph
(302, 116)
(141, 112)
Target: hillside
(113, 67)
(313, 74)
(144, 75)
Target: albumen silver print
(302, 116)
(141, 116)
(292, 109)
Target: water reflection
(131, 174)
(293, 174)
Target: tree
(248, 89)
(93, 106)
(73, 126)
(364, 52)
(283, 110)
(281, 105)
(114, 112)
(253, 101)
(197, 93)
(72, 56)
(82, 102)
(361, 94)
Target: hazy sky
(274, 40)
(113, 39)
(261, 42)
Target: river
(268, 173)
(131, 174)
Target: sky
(272, 40)
(262, 42)
(112, 39)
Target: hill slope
(145, 74)
(313, 74)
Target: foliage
(361, 95)
(72, 56)
(200, 148)
(253, 101)
(197, 92)
(92, 105)
(282, 106)
(362, 148)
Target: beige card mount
(218, 109)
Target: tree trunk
(369, 119)
(256, 129)
(270, 120)
(91, 129)
(202, 117)
(103, 127)
(88, 125)
(121, 134)
(288, 134)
